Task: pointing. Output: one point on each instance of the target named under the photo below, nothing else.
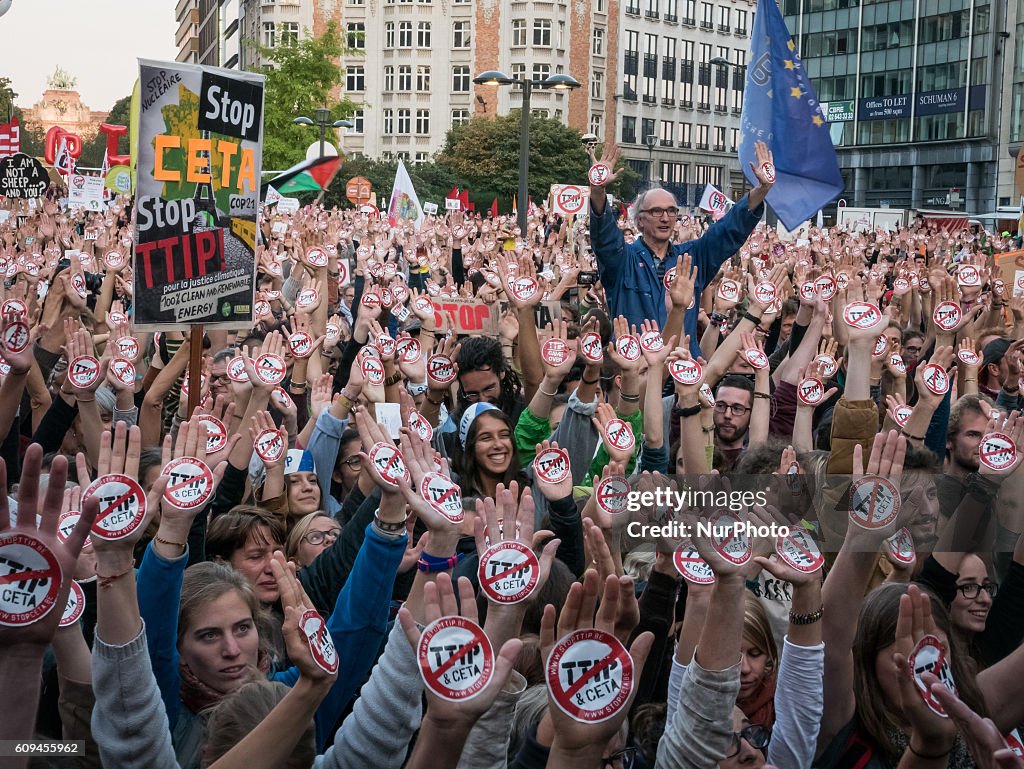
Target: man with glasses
(633, 274)
(733, 403)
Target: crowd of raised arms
(738, 501)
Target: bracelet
(108, 581)
(162, 541)
(718, 319)
(542, 391)
(595, 380)
(910, 437)
(390, 528)
(432, 564)
(393, 379)
(689, 411)
(755, 320)
(761, 331)
(929, 756)
(86, 400)
(765, 396)
(432, 402)
(708, 429)
(971, 379)
(346, 402)
(630, 398)
(298, 384)
(806, 619)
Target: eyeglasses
(488, 392)
(657, 213)
(971, 590)
(735, 408)
(354, 463)
(757, 735)
(620, 759)
(318, 537)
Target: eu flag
(781, 109)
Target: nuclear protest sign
(198, 189)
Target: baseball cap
(994, 351)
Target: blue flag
(781, 109)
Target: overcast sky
(97, 41)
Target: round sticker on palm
(810, 391)
(386, 344)
(83, 371)
(769, 172)
(301, 344)
(122, 504)
(764, 292)
(321, 645)
(274, 268)
(441, 369)
(399, 293)
(825, 286)
(998, 286)
(30, 579)
(969, 357)
(897, 363)
(599, 174)
(317, 257)
(74, 607)
(78, 283)
(901, 547)
(373, 370)
(670, 277)
(935, 378)
(66, 524)
(128, 346)
(411, 351)
(756, 358)
(947, 315)
(968, 275)
(15, 306)
(236, 370)
(807, 292)
(628, 346)
(123, 371)
(589, 675)
(419, 425)
(387, 299)
(997, 451)
(270, 368)
(827, 364)
(881, 346)
(706, 395)
(730, 539)
(443, 496)
(189, 483)
(390, 463)
(376, 268)
(874, 502)
(902, 415)
(691, 566)
(842, 281)
(861, 314)
(332, 333)
(901, 284)
(114, 318)
(652, 341)
(591, 347)
(307, 298)
(270, 445)
(423, 304)
(371, 300)
(509, 572)
(114, 260)
(554, 351)
(523, 288)
(216, 434)
(456, 658)
(551, 465)
(16, 336)
(618, 435)
(262, 308)
(685, 371)
(729, 290)
(929, 656)
(799, 550)
(612, 493)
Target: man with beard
(967, 423)
(733, 404)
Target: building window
(519, 71)
(269, 38)
(734, 139)
(423, 35)
(356, 38)
(358, 122)
(668, 89)
(719, 138)
(422, 157)
(389, 79)
(460, 79)
(518, 32)
(404, 122)
(389, 122)
(389, 34)
(684, 134)
(723, 18)
(672, 11)
(597, 85)
(741, 22)
(541, 71)
(690, 12)
(628, 129)
(460, 34)
(405, 34)
(460, 116)
(289, 33)
(405, 77)
(673, 173)
(595, 123)
(647, 126)
(355, 79)
(542, 32)
(598, 48)
(707, 20)
(356, 2)
(423, 122)
(667, 131)
(702, 137)
(423, 78)
(709, 175)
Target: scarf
(759, 707)
(197, 696)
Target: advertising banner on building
(199, 158)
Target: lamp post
(721, 61)
(651, 141)
(322, 118)
(555, 83)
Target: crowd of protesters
(368, 488)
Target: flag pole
(195, 366)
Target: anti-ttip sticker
(456, 658)
(509, 572)
(589, 674)
(30, 579)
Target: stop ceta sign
(997, 451)
(269, 445)
(935, 378)
(628, 346)
(456, 658)
(443, 496)
(590, 675)
(509, 572)
(799, 550)
(730, 539)
(74, 607)
(189, 483)
(810, 391)
(652, 341)
(270, 368)
(83, 371)
(619, 435)
(591, 347)
(123, 370)
(691, 566)
(929, 656)
(122, 505)
(523, 288)
(551, 465)
(861, 314)
(389, 463)
(301, 344)
(30, 579)
(685, 371)
(729, 290)
(321, 645)
(441, 368)
(947, 315)
(612, 494)
(874, 502)
(901, 547)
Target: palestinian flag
(308, 176)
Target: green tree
(431, 180)
(301, 76)
(32, 137)
(92, 152)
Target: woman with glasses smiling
(312, 535)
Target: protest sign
(569, 199)
(430, 209)
(86, 192)
(22, 176)
(287, 205)
(199, 158)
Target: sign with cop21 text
(199, 159)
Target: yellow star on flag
(817, 121)
(795, 92)
(790, 44)
(790, 64)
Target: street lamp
(322, 118)
(553, 83)
(651, 141)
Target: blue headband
(469, 416)
(299, 461)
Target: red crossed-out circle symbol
(929, 656)
(619, 435)
(456, 659)
(321, 645)
(551, 465)
(441, 368)
(935, 378)
(571, 199)
(122, 505)
(269, 445)
(16, 336)
(874, 502)
(591, 348)
(968, 275)
(685, 371)
(30, 579)
(652, 341)
(691, 566)
(270, 368)
(765, 292)
(901, 546)
(729, 539)
(443, 496)
(800, 551)
(947, 315)
(599, 174)
(612, 493)
(84, 370)
(997, 451)
(826, 286)
(590, 675)
(729, 290)
(861, 314)
(628, 346)
(811, 391)
(190, 483)
(389, 463)
(509, 572)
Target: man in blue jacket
(633, 274)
